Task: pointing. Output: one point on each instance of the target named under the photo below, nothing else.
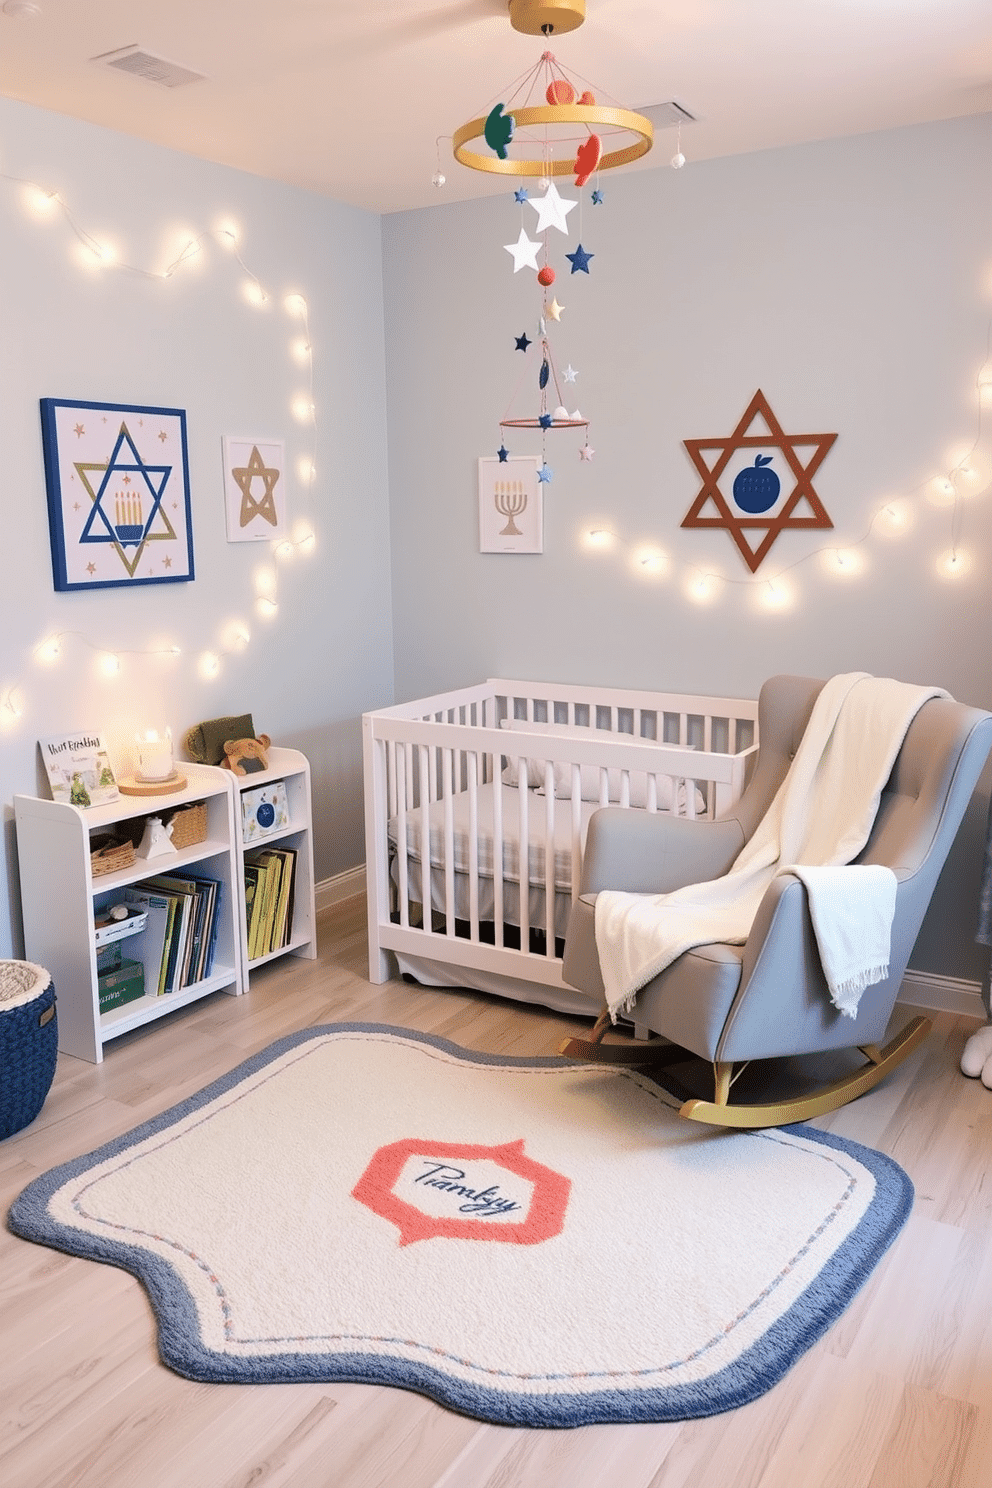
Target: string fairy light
(43, 205)
(966, 479)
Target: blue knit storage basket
(29, 1042)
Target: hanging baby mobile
(566, 132)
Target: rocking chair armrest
(781, 952)
(642, 852)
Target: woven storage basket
(107, 854)
(29, 1042)
(189, 825)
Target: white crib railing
(470, 878)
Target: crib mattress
(566, 824)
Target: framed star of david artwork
(758, 482)
(117, 477)
(254, 488)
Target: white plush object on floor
(977, 1057)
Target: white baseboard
(342, 886)
(942, 994)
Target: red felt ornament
(546, 275)
(560, 91)
(587, 158)
(588, 99)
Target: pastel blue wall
(194, 342)
(852, 282)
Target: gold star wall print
(254, 488)
(251, 505)
(756, 499)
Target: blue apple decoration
(756, 488)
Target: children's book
(78, 769)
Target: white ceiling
(349, 98)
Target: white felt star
(570, 373)
(524, 252)
(552, 210)
(554, 310)
(586, 452)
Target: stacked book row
(176, 947)
(270, 877)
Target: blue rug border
(752, 1375)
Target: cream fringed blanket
(821, 817)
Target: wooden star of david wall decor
(763, 501)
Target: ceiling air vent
(138, 62)
(666, 115)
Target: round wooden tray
(132, 786)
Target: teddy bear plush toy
(246, 756)
(977, 1057)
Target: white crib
(477, 772)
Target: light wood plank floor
(897, 1395)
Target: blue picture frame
(117, 479)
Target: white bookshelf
(293, 768)
(59, 892)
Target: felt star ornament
(597, 198)
(579, 259)
(545, 474)
(524, 253)
(570, 373)
(521, 194)
(554, 310)
(522, 342)
(503, 453)
(552, 210)
(586, 452)
(545, 420)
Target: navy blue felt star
(545, 420)
(503, 452)
(579, 259)
(545, 474)
(597, 198)
(520, 194)
(522, 342)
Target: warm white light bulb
(284, 549)
(41, 203)
(774, 594)
(209, 664)
(702, 588)
(110, 664)
(295, 304)
(254, 293)
(303, 408)
(600, 537)
(266, 607)
(301, 349)
(954, 564)
(305, 469)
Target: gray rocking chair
(767, 999)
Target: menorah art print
(511, 518)
(117, 476)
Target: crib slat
(549, 858)
(497, 852)
(449, 843)
(426, 872)
(523, 855)
(402, 845)
(474, 763)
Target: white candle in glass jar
(154, 755)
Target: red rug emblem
(464, 1192)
